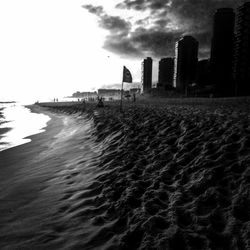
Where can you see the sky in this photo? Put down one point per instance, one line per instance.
(53, 48)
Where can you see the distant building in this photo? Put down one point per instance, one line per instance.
(203, 75)
(242, 51)
(109, 94)
(166, 73)
(85, 95)
(147, 74)
(185, 63)
(222, 51)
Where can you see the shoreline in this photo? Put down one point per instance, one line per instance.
(19, 124)
(35, 145)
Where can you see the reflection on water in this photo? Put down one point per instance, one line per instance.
(18, 122)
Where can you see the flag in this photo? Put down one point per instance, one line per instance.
(127, 77)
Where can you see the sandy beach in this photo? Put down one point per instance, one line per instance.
(162, 174)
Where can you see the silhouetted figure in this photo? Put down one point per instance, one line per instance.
(100, 103)
(134, 97)
(83, 103)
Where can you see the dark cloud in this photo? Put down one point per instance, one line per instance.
(97, 10)
(142, 5)
(115, 24)
(143, 42)
(139, 42)
(135, 4)
(123, 46)
(185, 7)
(162, 23)
(197, 13)
(193, 17)
(156, 43)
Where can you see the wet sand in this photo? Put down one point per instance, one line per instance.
(40, 180)
(159, 175)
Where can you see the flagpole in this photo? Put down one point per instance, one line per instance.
(121, 95)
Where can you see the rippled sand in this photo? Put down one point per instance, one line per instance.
(158, 176)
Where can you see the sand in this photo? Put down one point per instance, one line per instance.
(159, 175)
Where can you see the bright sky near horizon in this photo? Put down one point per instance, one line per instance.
(52, 48)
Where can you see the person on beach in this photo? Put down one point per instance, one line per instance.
(134, 97)
(100, 103)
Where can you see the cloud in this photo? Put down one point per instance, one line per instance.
(135, 43)
(156, 34)
(97, 10)
(115, 24)
(122, 46)
(155, 42)
(143, 42)
(136, 4)
(142, 5)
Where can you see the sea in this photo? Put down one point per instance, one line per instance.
(17, 123)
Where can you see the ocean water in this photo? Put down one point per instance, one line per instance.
(17, 123)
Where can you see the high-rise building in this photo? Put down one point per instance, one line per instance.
(147, 74)
(185, 63)
(166, 72)
(203, 73)
(242, 50)
(222, 51)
